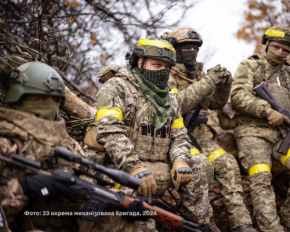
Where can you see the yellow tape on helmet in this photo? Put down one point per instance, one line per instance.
(178, 123)
(275, 33)
(259, 168)
(217, 153)
(156, 43)
(109, 111)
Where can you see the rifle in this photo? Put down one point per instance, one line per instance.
(191, 120)
(262, 91)
(98, 198)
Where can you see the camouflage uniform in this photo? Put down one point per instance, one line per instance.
(127, 144)
(192, 91)
(222, 164)
(35, 138)
(257, 140)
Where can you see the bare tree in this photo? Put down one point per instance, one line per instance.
(81, 36)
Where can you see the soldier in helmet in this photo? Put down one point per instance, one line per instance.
(258, 131)
(32, 128)
(191, 86)
(141, 128)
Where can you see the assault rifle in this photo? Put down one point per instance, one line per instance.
(262, 91)
(98, 198)
(191, 120)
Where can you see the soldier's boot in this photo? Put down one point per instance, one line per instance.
(213, 227)
(245, 228)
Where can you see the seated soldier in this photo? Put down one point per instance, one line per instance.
(32, 128)
(141, 128)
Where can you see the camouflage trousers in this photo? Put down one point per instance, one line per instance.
(254, 151)
(194, 198)
(227, 173)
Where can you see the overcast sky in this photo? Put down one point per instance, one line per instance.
(217, 22)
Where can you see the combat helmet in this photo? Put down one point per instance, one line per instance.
(154, 48)
(184, 34)
(33, 78)
(278, 34)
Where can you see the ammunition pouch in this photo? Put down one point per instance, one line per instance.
(227, 117)
(91, 138)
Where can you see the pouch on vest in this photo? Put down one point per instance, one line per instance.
(227, 117)
(108, 72)
(91, 138)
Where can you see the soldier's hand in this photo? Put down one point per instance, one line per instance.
(148, 183)
(225, 76)
(181, 173)
(220, 75)
(44, 187)
(274, 117)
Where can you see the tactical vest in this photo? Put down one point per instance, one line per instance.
(36, 139)
(140, 129)
(278, 82)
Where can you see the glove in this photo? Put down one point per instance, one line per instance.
(43, 187)
(181, 173)
(137, 206)
(225, 76)
(274, 117)
(148, 183)
(220, 75)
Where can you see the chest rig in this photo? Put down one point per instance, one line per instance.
(277, 79)
(140, 127)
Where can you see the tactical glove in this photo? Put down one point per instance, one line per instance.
(181, 173)
(274, 117)
(148, 183)
(43, 187)
(220, 75)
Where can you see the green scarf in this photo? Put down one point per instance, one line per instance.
(158, 99)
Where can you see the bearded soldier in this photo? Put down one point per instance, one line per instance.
(140, 126)
(259, 132)
(191, 86)
(32, 128)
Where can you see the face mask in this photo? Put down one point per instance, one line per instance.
(44, 109)
(157, 77)
(189, 61)
(276, 56)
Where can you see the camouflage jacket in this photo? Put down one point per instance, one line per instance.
(34, 138)
(190, 93)
(252, 119)
(124, 125)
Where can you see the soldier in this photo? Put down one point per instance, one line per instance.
(140, 126)
(192, 87)
(258, 131)
(32, 128)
